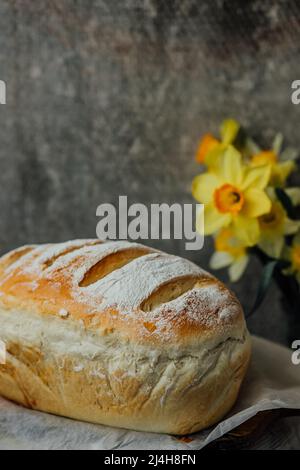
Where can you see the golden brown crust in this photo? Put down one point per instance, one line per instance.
(51, 279)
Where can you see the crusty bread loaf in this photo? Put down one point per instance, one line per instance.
(120, 334)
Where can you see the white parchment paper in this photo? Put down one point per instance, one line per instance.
(272, 382)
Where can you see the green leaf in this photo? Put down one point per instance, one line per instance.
(286, 202)
(264, 285)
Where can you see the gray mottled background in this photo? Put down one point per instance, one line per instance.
(109, 97)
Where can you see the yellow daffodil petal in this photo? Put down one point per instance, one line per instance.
(231, 169)
(281, 171)
(256, 203)
(238, 268)
(203, 187)
(265, 157)
(229, 130)
(220, 259)
(257, 176)
(246, 229)
(214, 220)
(225, 241)
(213, 157)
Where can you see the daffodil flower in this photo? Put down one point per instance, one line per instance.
(274, 226)
(207, 143)
(230, 253)
(234, 195)
(282, 164)
(210, 148)
(292, 254)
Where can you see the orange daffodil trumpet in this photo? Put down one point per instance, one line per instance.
(234, 196)
(207, 144)
(210, 148)
(241, 206)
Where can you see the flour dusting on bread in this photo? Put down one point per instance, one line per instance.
(128, 278)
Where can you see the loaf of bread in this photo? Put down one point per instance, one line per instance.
(119, 334)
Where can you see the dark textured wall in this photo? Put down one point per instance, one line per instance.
(109, 97)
